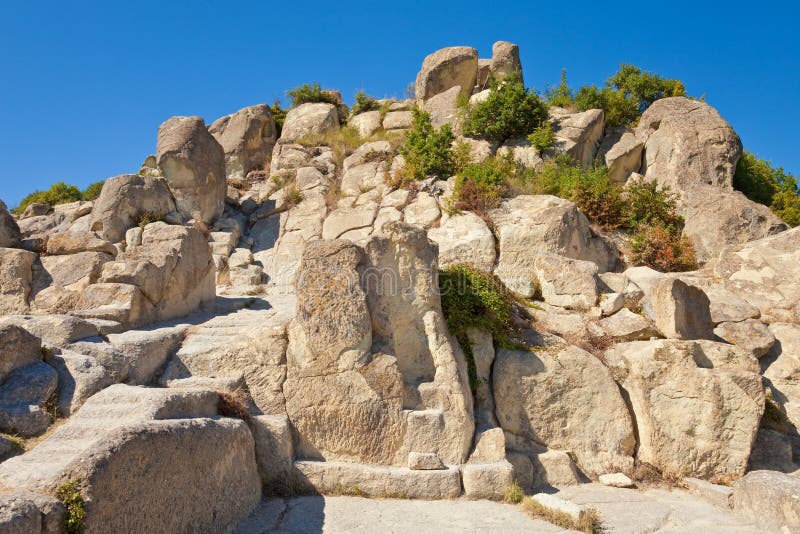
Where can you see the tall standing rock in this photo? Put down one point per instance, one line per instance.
(505, 60)
(445, 68)
(193, 163)
(9, 231)
(247, 137)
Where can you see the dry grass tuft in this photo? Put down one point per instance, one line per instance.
(233, 404)
(588, 521)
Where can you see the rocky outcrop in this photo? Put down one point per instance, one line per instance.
(310, 118)
(464, 238)
(553, 397)
(445, 68)
(15, 280)
(193, 163)
(124, 200)
(505, 60)
(9, 231)
(530, 225)
(621, 153)
(696, 405)
(686, 144)
(247, 138)
(578, 133)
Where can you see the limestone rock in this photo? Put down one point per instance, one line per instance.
(482, 346)
(687, 143)
(764, 273)
(443, 108)
(23, 395)
(124, 200)
(445, 68)
(79, 377)
(717, 217)
(529, 225)
(681, 311)
(552, 398)
(628, 326)
(422, 211)
(367, 123)
(30, 513)
(487, 481)
(621, 153)
(424, 461)
(397, 120)
(172, 267)
(247, 138)
(342, 220)
(727, 306)
(369, 152)
(64, 243)
(565, 282)
(18, 348)
(697, 407)
(9, 231)
(616, 480)
(750, 334)
(464, 238)
(274, 451)
(505, 60)
(309, 118)
(578, 133)
(15, 280)
(781, 369)
(193, 163)
(770, 499)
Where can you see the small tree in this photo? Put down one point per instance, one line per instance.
(427, 151)
(364, 103)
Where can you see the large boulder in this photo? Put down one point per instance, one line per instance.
(193, 163)
(23, 396)
(9, 231)
(247, 137)
(680, 310)
(172, 268)
(687, 143)
(564, 398)
(568, 283)
(124, 200)
(58, 281)
(18, 348)
(764, 273)
(15, 280)
(464, 238)
(578, 133)
(443, 108)
(137, 449)
(621, 152)
(309, 118)
(66, 243)
(505, 60)
(529, 225)
(445, 68)
(696, 405)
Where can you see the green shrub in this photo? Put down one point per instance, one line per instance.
(647, 204)
(509, 111)
(480, 186)
(663, 248)
(514, 494)
(70, 496)
(543, 137)
(627, 94)
(307, 93)
(364, 103)
(279, 114)
(59, 193)
(475, 298)
(562, 95)
(93, 191)
(427, 151)
(763, 183)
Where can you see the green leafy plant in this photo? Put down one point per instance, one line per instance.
(770, 186)
(543, 137)
(93, 191)
(70, 496)
(279, 114)
(627, 94)
(509, 111)
(562, 95)
(59, 193)
(364, 103)
(474, 298)
(647, 204)
(427, 151)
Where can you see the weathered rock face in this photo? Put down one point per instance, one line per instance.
(9, 231)
(764, 273)
(15, 280)
(464, 238)
(696, 405)
(554, 398)
(716, 218)
(172, 268)
(124, 200)
(578, 133)
(193, 163)
(445, 68)
(505, 60)
(309, 118)
(681, 311)
(443, 108)
(247, 137)
(565, 282)
(621, 152)
(529, 225)
(770, 499)
(18, 348)
(366, 123)
(781, 370)
(66, 243)
(686, 144)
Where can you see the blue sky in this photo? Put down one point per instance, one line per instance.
(86, 84)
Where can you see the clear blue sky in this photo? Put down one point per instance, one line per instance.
(86, 84)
